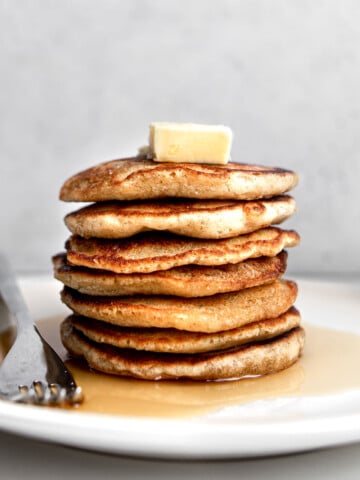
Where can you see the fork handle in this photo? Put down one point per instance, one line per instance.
(12, 295)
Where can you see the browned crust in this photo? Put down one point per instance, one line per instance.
(188, 281)
(252, 359)
(137, 178)
(206, 314)
(180, 341)
(193, 218)
(155, 251)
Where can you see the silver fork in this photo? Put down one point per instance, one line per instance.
(31, 372)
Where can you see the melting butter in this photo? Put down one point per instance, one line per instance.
(189, 143)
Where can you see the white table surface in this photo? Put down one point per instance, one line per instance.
(21, 458)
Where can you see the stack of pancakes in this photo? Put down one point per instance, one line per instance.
(175, 270)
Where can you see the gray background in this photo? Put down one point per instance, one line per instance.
(81, 81)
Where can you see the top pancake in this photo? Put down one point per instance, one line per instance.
(139, 179)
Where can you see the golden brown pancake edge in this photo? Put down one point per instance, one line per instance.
(187, 281)
(224, 311)
(208, 219)
(161, 251)
(137, 178)
(259, 358)
(180, 341)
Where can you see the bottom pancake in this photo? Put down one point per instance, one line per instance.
(180, 341)
(257, 358)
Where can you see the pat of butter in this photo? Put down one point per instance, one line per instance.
(190, 143)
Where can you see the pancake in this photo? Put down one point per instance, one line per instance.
(188, 281)
(224, 311)
(161, 251)
(139, 179)
(180, 341)
(252, 359)
(193, 218)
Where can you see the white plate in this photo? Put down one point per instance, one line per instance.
(267, 427)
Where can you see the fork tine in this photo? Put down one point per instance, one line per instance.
(23, 389)
(75, 396)
(39, 390)
(54, 391)
(23, 395)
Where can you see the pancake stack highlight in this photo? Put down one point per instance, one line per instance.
(176, 270)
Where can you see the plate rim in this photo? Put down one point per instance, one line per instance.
(130, 435)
